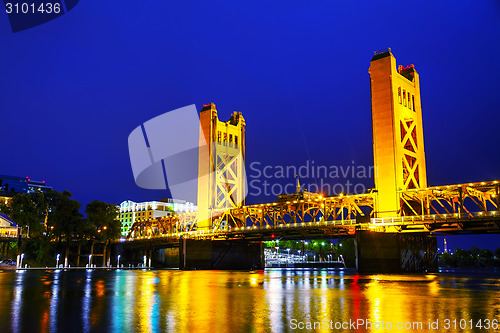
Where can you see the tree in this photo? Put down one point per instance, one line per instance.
(64, 217)
(486, 254)
(27, 210)
(103, 217)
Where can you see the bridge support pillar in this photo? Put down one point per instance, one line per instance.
(221, 254)
(395, 253)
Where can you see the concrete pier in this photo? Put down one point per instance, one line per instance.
(395, 253)
(223, 254)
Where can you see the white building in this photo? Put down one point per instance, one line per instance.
(131, 211)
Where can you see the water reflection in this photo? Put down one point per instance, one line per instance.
(86, 301)
(54, 301)
(265, 301)
(17, 302)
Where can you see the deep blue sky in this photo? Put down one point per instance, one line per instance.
(73, 89)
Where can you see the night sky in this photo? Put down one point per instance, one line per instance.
(73, 89)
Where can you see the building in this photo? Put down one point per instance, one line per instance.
(8, 228)
(131, 211)
(398, 141)
(9, 185)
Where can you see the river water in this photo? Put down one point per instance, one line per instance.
(293, 300)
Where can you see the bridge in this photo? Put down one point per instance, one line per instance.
(394, 225)
(464, 208)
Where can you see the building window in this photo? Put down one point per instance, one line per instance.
(404, 96)
(399, 95)
(409, 101)
(413, 102)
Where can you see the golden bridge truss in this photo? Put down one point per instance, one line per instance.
(465, 207)
(313, 212)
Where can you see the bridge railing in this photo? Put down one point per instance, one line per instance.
(435, 217)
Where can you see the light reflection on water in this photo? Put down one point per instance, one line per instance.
(222, 301)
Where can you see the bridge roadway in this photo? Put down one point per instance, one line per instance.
(451, 209)
(429, 224)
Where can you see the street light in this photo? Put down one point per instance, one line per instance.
(21, 262)
(57, 260)
(90, 258)
(144, 261)
(118, 261)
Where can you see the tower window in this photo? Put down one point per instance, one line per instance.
(413, 102)
(409, 101)
(399, 95)
(404, 96)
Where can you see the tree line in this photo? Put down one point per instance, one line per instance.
(47, 218)
(321, 248)
(475, 257)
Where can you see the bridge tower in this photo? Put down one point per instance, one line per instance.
(398, 143)
(221, 165)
